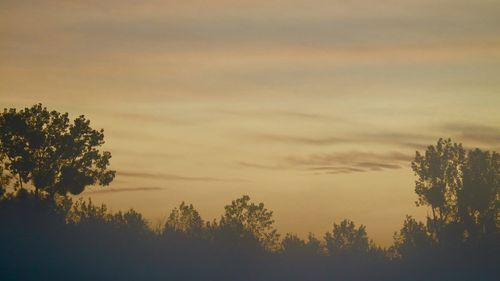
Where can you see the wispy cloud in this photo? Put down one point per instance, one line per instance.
(348, 157)
(349, 162)
(301, 140)
(261, 166)
(407, 140)
(475, 133)
(336, 163)
(143, 117)
(280, 114)
(116, 190)
(170, 177)
(335, 170)
(362, 161)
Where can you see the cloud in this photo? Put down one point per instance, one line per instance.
(361, 161)
(113, 190)
(336, 163)
(82, 31)
(347, 157)
(280, 113)
(349, 162)
(335, 170)
(261, 166)
(474, 133)
(170, 177)
(149, 118)
(406, 140)
(218, 30)
(301, 140)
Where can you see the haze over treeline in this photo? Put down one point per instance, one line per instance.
(46, 158)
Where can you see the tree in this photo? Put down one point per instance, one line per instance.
(184, 220)
(479, 197)
(294, 245)
(462, 189)
(55, 155)
(132, 223)
(412, 238)
(94, 218)
(439, 178)
(4, 178)
(245, 217)
(87, 213)
(346, 239)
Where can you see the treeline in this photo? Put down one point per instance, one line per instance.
(45, 235)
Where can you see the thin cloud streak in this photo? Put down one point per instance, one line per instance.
(261, 166)
(170, 177)
(349, 162)
(141, 117)
(383, 138)
(280, 113)
(119, 190)
(337, 163)
(474, 133)
(302, 140)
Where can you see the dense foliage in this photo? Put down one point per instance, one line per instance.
(52, 154)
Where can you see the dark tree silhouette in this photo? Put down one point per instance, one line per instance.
(412, 239)
(294, 245)
(479, 197)
(55, 155)
(243, 216)
(438, 180)
(131, 222)
(346, 239)
(184, 220)
(462, 190)
(97, 218)
(4, 177)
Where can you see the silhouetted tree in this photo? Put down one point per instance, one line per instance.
(57, 156)
(4, 177)
(438, 174)
(242, 217)
(294, 245)
(462, 190)
(412, 239)
(96, 218)
(131, 222)
(85, 212)
(184, 220)
(314, 245)
(479, 197)
(346, 239)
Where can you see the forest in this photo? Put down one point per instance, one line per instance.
(47, 234)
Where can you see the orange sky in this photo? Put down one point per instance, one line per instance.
(313, 107)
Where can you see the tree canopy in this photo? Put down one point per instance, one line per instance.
(245, 216)
(184, 220)
(346, 239)
(53, 154)
(461, 188)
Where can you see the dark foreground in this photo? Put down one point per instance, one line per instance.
(44, 241)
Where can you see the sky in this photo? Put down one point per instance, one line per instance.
(315, 108)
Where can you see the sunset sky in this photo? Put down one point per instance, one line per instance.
(313, 107)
